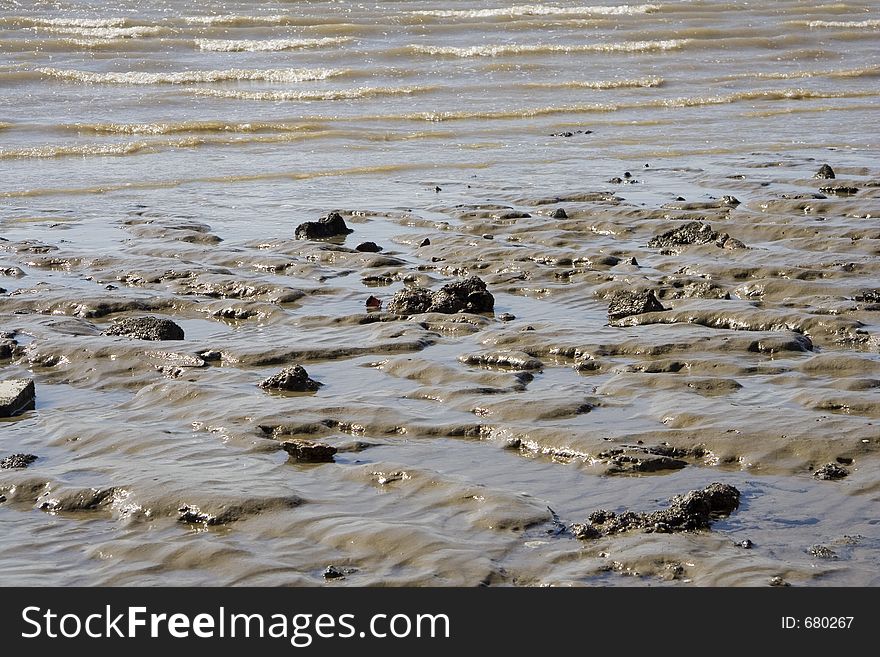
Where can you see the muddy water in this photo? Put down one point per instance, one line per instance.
(155, 158)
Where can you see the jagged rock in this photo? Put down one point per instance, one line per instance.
(825, 172)
(559, 213)
(332, 225)
(693, 232)
(308, 451)
(16, 396)
(695, 509)
(469, 296)
(291, 379)
(633, 302)
(17, 461)
(831, 472)
(146, 328)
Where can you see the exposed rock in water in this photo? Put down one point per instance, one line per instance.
(292, 379)
(469, 296)
(507, 358)
(333, 225)
(335, 572)
(507, 317)
(695, 509)
(410, 301)
(559, 213)
(693, 232)
(730, 201)
(633, 302)
(17, 461)
(16, 396)
(825, 172)
(831, 472)
(368, 247)
(821, 552)
(840, 190)
(308, 451)
(146, 328)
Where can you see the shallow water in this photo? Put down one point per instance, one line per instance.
(169, 152)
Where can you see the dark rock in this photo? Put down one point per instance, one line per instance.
(7, 348)
(559, 213)
(831, 472)
(840, 190)
(291, 379)
(17, 461)
(821, 552)
(507, 317)
(410, 301)
(368, 247)
(825, 172)
(438, 189)
(332, 572)
(425, 242)
(745, 545)
(373, 303)
(333, 225)
(627, 174)
(634, 262)
(469, 296)
(192, 515)
(869, 296)
(146, 328)
(730, 201)
(633, 302)
(616, 181)
(308, 451)
(778, 581)
(693, 232)
(695, 509)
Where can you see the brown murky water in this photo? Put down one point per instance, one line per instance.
(156, 158)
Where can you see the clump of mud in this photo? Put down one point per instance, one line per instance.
(695, 509)
(291, 379)
(633, 302)
(146, 328)
(468, 296)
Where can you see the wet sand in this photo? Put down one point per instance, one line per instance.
(428, 447)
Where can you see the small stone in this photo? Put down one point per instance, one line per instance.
(825, 172)
(438, 189)
(16, 396)
(730, 201)
(333, 225)
(308, 451)
(634, 262)
(693, 232)
(145, 328)
(821, 552)
(332, 572)
(488, 236)
(507, 317)
(17, 461)
(559, 213)
(368, 247)
(633, 302)
(291, 379)
(425, 242)
(778, 581)
(616, 181)
(745, 545)
(831, 472)
(627, 174)
(585, 531)
(373, 303)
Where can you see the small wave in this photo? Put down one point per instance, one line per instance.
(597, 84)
(237, 20)
(869, 24)
(332, 94)
(73, 150)
(190, 77)
(106, 32)
(191, 126)
(248, 45)
(870, 71)
(516, 49)
(540, 10)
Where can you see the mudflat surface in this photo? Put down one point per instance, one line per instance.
(159, 164)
